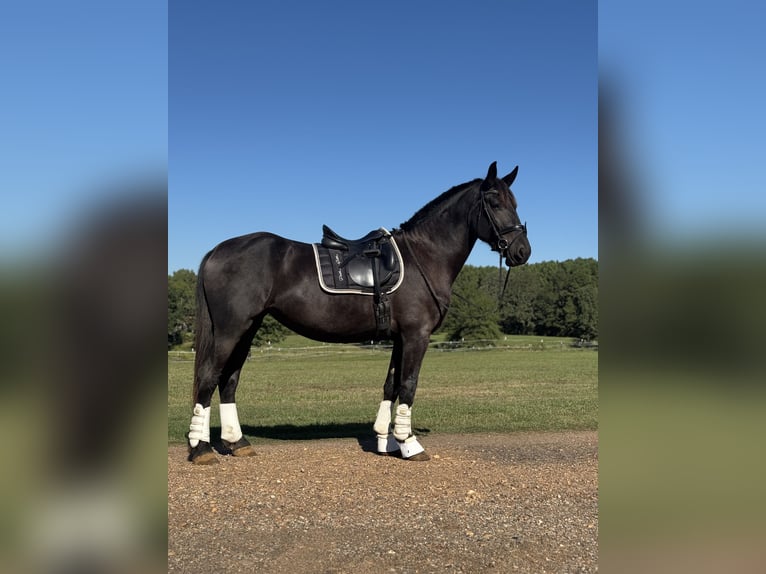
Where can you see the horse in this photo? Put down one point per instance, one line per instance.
(246, 278)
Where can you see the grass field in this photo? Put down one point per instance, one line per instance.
(322, 391)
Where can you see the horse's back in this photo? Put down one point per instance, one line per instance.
(254, 250)
(247, 267)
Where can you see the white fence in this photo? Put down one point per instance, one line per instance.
(442, 346)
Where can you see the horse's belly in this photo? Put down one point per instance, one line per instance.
(328, 318)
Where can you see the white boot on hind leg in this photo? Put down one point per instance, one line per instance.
(231, 432)
(230, 429)
(199, 429)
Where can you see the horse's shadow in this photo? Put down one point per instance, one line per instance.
(362, 432)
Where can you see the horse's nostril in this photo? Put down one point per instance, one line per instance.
(522, 254)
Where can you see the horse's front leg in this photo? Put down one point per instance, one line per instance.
(414, 348)
(387, 445)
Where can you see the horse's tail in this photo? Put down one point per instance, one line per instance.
(203, 332)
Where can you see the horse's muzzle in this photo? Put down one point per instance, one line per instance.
(518, 254)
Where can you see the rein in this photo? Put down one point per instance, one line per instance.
(501, 244)
(501, 292)
(443, 308)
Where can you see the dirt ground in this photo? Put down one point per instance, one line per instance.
(522, 502)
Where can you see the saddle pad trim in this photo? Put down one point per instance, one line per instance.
(359, 291)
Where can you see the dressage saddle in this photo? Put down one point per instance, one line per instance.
(366, 257)
(370, 265)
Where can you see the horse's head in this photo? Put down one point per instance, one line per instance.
(498, 223)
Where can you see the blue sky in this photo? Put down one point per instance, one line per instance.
(287, 115)
(262, 101)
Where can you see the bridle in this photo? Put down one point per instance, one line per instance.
(499, 243)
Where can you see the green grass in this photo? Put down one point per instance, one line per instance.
(334, 391)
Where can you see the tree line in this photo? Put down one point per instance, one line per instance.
(552, 298)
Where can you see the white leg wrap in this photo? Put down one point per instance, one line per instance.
(199, 429)
(411, 447)
(230, 429)
(383, 419)
(403, 422)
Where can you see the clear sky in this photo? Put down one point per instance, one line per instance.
(285, 115)
(336, 105)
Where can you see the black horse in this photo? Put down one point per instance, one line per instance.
(246, 278)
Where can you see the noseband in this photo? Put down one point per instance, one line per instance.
(499, 242)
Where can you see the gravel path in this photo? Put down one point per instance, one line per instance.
(524, 502)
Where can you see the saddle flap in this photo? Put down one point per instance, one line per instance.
(360, 271)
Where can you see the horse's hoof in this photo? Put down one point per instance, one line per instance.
(240, 448)
(203, 453)
(420, 456)
(394, 453)
(413, 450)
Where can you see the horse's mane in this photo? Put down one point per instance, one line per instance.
(428, 209)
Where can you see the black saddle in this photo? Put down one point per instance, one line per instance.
(370, 265)
(360, 257)
(332, 240)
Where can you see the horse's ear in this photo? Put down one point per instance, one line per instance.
(491, 178)
(508, 179)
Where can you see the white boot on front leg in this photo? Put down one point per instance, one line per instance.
(412, 449)
(386, 443)
(408, 442)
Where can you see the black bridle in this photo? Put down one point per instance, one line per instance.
(499, 243)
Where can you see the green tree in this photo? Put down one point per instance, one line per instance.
(473, 311)
(579, 298)
(517, 310)
(270, 332)
(566, 304)
(182, 306)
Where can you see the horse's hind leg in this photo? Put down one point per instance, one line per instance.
(218, 366)
(205, 379)
(231, 432)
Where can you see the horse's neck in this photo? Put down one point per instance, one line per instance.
(444, 241)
